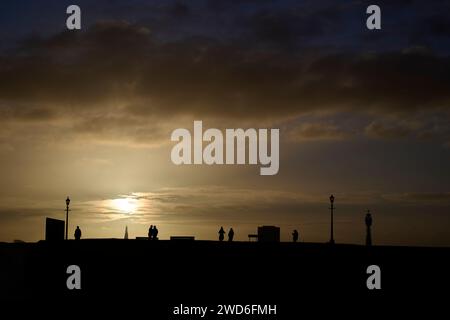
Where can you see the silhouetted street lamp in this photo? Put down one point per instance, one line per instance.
(331, 208)
(67, 217)
(368, 227)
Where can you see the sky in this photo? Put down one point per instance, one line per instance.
(363, 114)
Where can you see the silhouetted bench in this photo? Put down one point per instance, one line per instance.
(182, 238)
(145, 238)
(252, 236)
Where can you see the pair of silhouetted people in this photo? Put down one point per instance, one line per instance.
(153, 233)
(295, 236)
(222, 234)
(77, 233)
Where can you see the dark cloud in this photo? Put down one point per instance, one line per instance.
(287, 29)
(118, 59)
(179, 10)
(119, 68)
(438, 25)
(222, 5)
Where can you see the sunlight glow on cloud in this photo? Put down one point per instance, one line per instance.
(125, 205)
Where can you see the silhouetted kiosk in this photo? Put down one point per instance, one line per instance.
(368, 228)
(67, 217)
(230, 234)
(221, 234)
(295, 236)
(331, 209)
(77, 234)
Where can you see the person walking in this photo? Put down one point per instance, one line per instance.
(150, 232)
(77, 233)
(221, 234)
(155, 233)
(230, 235)
(295, 236)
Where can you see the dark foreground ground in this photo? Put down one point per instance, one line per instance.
(166, 274)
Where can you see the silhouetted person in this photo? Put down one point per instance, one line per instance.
(295, 236)
(155, 233)
(221, 234)
(230, 234)
(150, 232)
(368, 228)
(77, 233)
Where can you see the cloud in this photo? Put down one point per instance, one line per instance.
(389, 130)
(421, 125)
(118, 82)
(317, 131)
(116, 61)
(178, 10)
(213, 203)
(428, 198)
(434, 24)
(290, 29)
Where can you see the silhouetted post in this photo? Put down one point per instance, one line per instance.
(368, 228)
(331, 230)
(67, 217)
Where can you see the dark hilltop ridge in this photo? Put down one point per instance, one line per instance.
(216, 272)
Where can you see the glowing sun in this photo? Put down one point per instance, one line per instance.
(125, 205)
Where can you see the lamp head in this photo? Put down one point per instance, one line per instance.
(67, 201)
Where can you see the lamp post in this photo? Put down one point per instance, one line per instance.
(67, 217)
(331, 230)
(368, 227)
